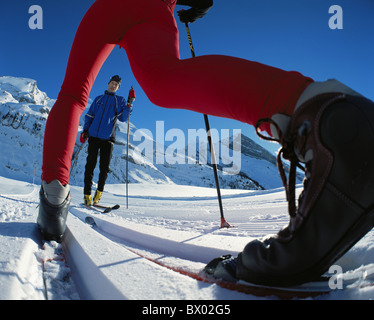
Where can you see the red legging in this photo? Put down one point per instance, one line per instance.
(216, 85)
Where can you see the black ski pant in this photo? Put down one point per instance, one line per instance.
(94, 146)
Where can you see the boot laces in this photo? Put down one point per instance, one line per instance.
(293, 149)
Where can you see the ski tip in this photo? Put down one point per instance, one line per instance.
(89, 220)
(109, 209)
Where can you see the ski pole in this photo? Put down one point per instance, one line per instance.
(224, 223)
(130, 100)
(127, 162)
(76, 157)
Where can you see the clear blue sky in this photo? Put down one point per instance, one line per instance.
(288, 34)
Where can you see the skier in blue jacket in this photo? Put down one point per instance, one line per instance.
(100, 130)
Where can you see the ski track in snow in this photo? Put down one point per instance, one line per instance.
(180, 219)
(27, 269)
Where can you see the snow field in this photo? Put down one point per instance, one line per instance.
(177, 225)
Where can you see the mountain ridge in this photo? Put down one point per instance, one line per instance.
(23, 113)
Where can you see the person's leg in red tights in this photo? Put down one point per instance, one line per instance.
(89, 51)
(217, 85)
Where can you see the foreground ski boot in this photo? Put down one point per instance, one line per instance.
(87, 200)
(333, 136)
(97, 196)
(53, 210)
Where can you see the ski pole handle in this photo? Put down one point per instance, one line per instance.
(190, 40)
(131, 97)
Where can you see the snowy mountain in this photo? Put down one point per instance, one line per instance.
(23, 113)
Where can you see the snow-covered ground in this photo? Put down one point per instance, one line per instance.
(178, 225)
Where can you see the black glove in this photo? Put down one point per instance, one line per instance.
(198, 10)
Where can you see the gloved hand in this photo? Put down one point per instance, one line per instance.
(197, 11)
(131, 97)
(190, 15)
(83, 137)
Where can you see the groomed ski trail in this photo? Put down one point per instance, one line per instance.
(188, 259)
(153, 242)
(29, 269)
(103, 269)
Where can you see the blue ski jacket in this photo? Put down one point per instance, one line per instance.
(101, 118)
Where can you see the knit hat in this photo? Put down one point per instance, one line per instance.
(116, 78)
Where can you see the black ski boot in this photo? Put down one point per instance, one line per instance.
(333, 136)
(52, 217)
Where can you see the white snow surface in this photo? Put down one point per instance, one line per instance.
(178, 225)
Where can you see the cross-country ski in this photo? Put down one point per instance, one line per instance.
(101, 208)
